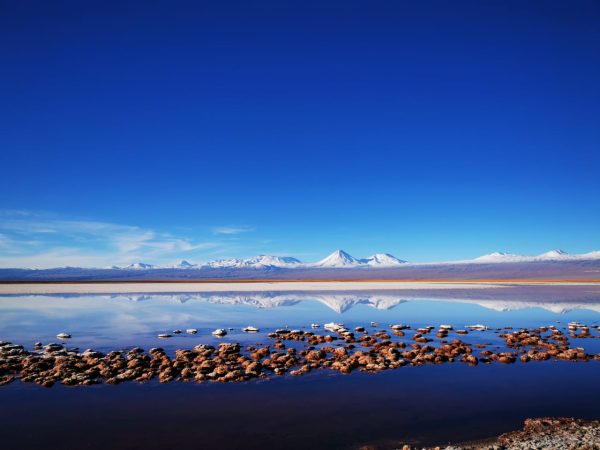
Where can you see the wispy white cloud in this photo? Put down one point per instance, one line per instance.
(232, 229)
(57, 257)
(37, 240)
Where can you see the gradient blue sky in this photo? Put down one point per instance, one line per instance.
(432, 130)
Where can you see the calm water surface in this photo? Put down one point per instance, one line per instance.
(428, 404)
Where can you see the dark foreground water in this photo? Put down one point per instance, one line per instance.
(427, 404)
(430, 404)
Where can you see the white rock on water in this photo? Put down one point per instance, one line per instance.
(63, 336)
(164, 336)
(315, 325)
(250, 329)
(219, 332)
(446, 327)
(332, 326)
(176, 331)
(399, 327)
(477, 327)
(191, 331)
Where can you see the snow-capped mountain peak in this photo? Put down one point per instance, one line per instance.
(339, 258)
(183, 264)
(554, 254)
(500, 257)
(382, 260)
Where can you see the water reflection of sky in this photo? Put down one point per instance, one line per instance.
(108, 321)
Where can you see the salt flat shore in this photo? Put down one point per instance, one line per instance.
(261, 286)
(542, 433)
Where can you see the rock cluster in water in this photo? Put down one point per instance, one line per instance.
(295, 352)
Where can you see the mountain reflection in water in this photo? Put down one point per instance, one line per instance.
(136, 319)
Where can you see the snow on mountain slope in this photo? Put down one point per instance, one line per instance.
(139, 266)
(382, 260)
(183, 264)
(260, 261)
(271, 261)
(500, 257)
(339, 258)
(554, 255)
(590, 255)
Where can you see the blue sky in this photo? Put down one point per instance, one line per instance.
(432, 130)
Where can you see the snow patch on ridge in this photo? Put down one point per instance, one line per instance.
(500, 257)
(260, 261)
(382, 260)
(139, 266)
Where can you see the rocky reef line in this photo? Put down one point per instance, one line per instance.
(293, 352)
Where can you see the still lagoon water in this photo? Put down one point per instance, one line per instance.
(432, 404)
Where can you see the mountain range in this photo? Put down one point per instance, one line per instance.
(342, 259)
(339, 258)
(552, 265)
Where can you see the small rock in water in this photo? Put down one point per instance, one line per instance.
(477, 327)
(250, 329)
(38, 345)
(63, 336)
(176, 331)
(191, 331)
(219, 332)
(332, 326)
(50, 348)
(315, 325)
(374, 324)
(446, 327)
(164, 336)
